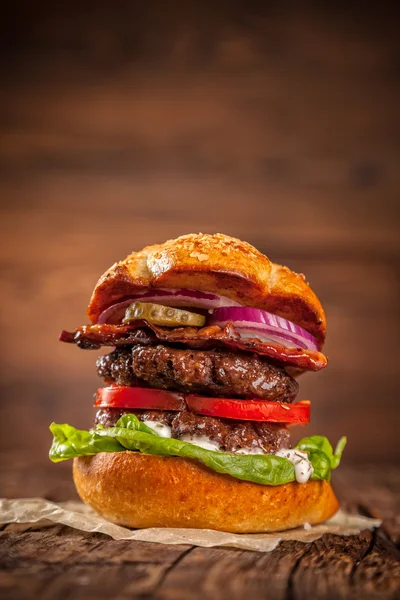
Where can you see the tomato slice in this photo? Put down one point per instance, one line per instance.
(251, 410)
(136, 397)
(242, 410)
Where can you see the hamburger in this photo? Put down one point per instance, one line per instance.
(205, 338)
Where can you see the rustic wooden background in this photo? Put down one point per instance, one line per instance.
(127, 125)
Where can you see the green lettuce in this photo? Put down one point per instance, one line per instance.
(131, 434)
(321, 454)
(69, 442)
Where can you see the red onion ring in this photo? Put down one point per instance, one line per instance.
(168, 297)
(262, 325)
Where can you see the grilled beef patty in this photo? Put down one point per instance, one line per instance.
(215, 373)
(230, 435)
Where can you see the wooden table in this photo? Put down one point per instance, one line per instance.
(52, 561)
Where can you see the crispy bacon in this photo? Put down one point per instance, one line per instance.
(146, 334)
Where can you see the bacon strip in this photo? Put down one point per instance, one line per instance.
(146, 334)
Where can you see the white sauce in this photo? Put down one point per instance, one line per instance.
(302, 467)
(160, 428)
(201, 440)
(198, 440)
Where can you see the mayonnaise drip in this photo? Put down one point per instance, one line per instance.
(160, 428)
(302, 467)
(201, 440)
(198, 440)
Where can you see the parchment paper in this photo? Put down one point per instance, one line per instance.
(80, 516)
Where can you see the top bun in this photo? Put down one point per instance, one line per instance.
(213, 263)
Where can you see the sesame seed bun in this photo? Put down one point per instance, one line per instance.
(215, 263)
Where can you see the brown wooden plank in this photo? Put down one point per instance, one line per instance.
(373, 490)
(232, 574)
(66, 563)
(346, 570)
(378, 573)
(71, 566)
(60, 544)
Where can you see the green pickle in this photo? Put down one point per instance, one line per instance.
(163, 315)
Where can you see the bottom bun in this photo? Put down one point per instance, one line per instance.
(141, 490)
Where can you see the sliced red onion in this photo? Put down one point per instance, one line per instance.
(254, 323)
(174, 297)
(275, 338)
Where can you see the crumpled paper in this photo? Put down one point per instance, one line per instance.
(80, 516)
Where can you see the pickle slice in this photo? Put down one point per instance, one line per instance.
(162, 315)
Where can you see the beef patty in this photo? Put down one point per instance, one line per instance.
(219, 373)
(230, 435)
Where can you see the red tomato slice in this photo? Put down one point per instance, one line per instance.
(136, 397)
(243, 410)
(251, 410)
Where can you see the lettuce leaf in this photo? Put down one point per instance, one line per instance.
(69, 442)
(132, 422)
(320, 444)
(131, 434)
